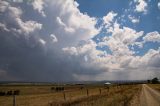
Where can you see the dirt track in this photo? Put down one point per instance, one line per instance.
(149, 96)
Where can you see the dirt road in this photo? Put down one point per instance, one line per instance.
(149, 96)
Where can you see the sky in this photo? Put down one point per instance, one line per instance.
(79, 40)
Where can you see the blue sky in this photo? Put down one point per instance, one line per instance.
(79, 40)
(149, 21)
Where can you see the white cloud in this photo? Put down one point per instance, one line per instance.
(13, 14)
(141, 6)
(78, 20)
(158, 5)
(109, 18)
(72, 31)
(139, 44)
(70, 50)
(88, 46)
(121, 57)
(124, 35)
(66, 28)
(152, 37)
(69, 24)
(53, 38)
(63, 18)
(149, 37)
(145, 61)
(39, 6)
(17, 1)
(42, 41)
(95, 58)
(3, 6)
(60, 21)
(3, 27)
(28, 26)
(133, 19)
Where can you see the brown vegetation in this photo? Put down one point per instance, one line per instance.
(75, 95)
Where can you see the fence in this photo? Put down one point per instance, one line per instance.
(55, 97)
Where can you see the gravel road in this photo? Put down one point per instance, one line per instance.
(149, 96)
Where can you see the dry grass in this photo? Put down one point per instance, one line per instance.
(155, 86)
(27, 89)
(74, 97)
(116, 97)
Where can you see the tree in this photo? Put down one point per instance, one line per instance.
(155, 80)
(148, 81)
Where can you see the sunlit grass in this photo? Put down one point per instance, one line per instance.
(76, 97)
(155, 86)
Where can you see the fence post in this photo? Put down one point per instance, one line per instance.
(64, 95)
(87, 92)
(100, 91)
(108, 88)
(14, 100)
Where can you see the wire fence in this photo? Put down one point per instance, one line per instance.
(48, 99)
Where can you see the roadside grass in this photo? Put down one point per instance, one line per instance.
(155, 86)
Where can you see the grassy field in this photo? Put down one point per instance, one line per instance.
(155, 86)
(115, 97)
(73, 95)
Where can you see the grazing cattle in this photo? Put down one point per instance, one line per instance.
(16, 92)
(9, 93)
(2, 93)
(59, 89)
(52, 88)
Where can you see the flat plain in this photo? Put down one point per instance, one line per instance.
(69, 95)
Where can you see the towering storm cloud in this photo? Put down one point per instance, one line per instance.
(57, 40)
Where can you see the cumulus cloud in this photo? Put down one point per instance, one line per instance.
(70, 50)
(133, 19)
(91, 57)
(152, 37)
(39, 5)
(18, 1)
(66, 28)
(42, 41)
(13, 14)
(122, 58)
(54, 38)
(114, 64)
(3, 6)
(109, 18)
(141, 6)
(61, 46)
(3, 27)
(34, 57)
(69, 23)
(124, 35)
(28, 26)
